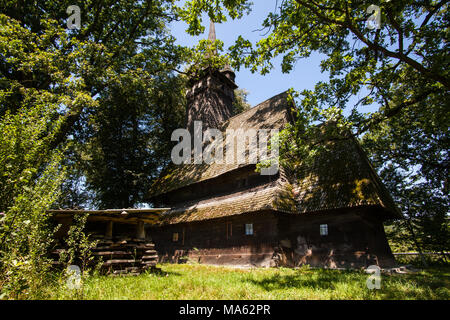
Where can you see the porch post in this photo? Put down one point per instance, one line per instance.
(109, 230)
(140, 230)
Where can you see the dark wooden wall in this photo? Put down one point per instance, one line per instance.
(238, 180)
(219, 241)
(355, 239)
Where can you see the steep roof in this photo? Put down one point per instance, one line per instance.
(340, 176)
(273, 113)
(268, 197)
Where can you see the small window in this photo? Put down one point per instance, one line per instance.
(323, 229)
(175, 237)
(249, 229)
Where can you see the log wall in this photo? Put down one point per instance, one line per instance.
(353, 240)
(219, 241)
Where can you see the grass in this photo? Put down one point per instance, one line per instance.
(210, 282)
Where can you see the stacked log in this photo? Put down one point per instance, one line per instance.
(127, 256)
(122, 256)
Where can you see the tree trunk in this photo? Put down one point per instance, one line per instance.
(419, 249)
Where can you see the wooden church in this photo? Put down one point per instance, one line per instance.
(330, 214)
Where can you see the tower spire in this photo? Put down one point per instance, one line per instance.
(212, 35)
(210, 98)
(212, 32)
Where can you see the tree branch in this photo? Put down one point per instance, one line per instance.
(375, 46)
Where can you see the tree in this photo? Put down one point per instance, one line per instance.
(240, 102)
(411, 152)
(118, 45)
(130, 140)
(376, 62)
(114, 38)
(30, 177)
(54, 84)
(400, 70)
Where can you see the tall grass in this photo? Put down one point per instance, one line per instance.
(210, 282)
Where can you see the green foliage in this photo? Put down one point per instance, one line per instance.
(240, 103)
(55, 87)
(25, 232)
(78, 245)
(217, 10)
(125, 46)
(206, 54)
(130, 138)
(411, 152)
(30, 168)
(30, 171)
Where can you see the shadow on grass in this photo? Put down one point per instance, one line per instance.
(430, 285)
(417, 286)
(162, 273)
(317, 279)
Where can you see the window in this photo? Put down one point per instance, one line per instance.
(175, 237)
(323, 229)
(249, 229)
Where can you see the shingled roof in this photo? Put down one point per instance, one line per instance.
(273, 113)
(267, 197)
(340, 176)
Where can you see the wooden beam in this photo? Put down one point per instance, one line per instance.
(130, 216)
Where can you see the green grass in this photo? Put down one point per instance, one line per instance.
(210, 282)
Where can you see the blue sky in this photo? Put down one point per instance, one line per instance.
(305, 74)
